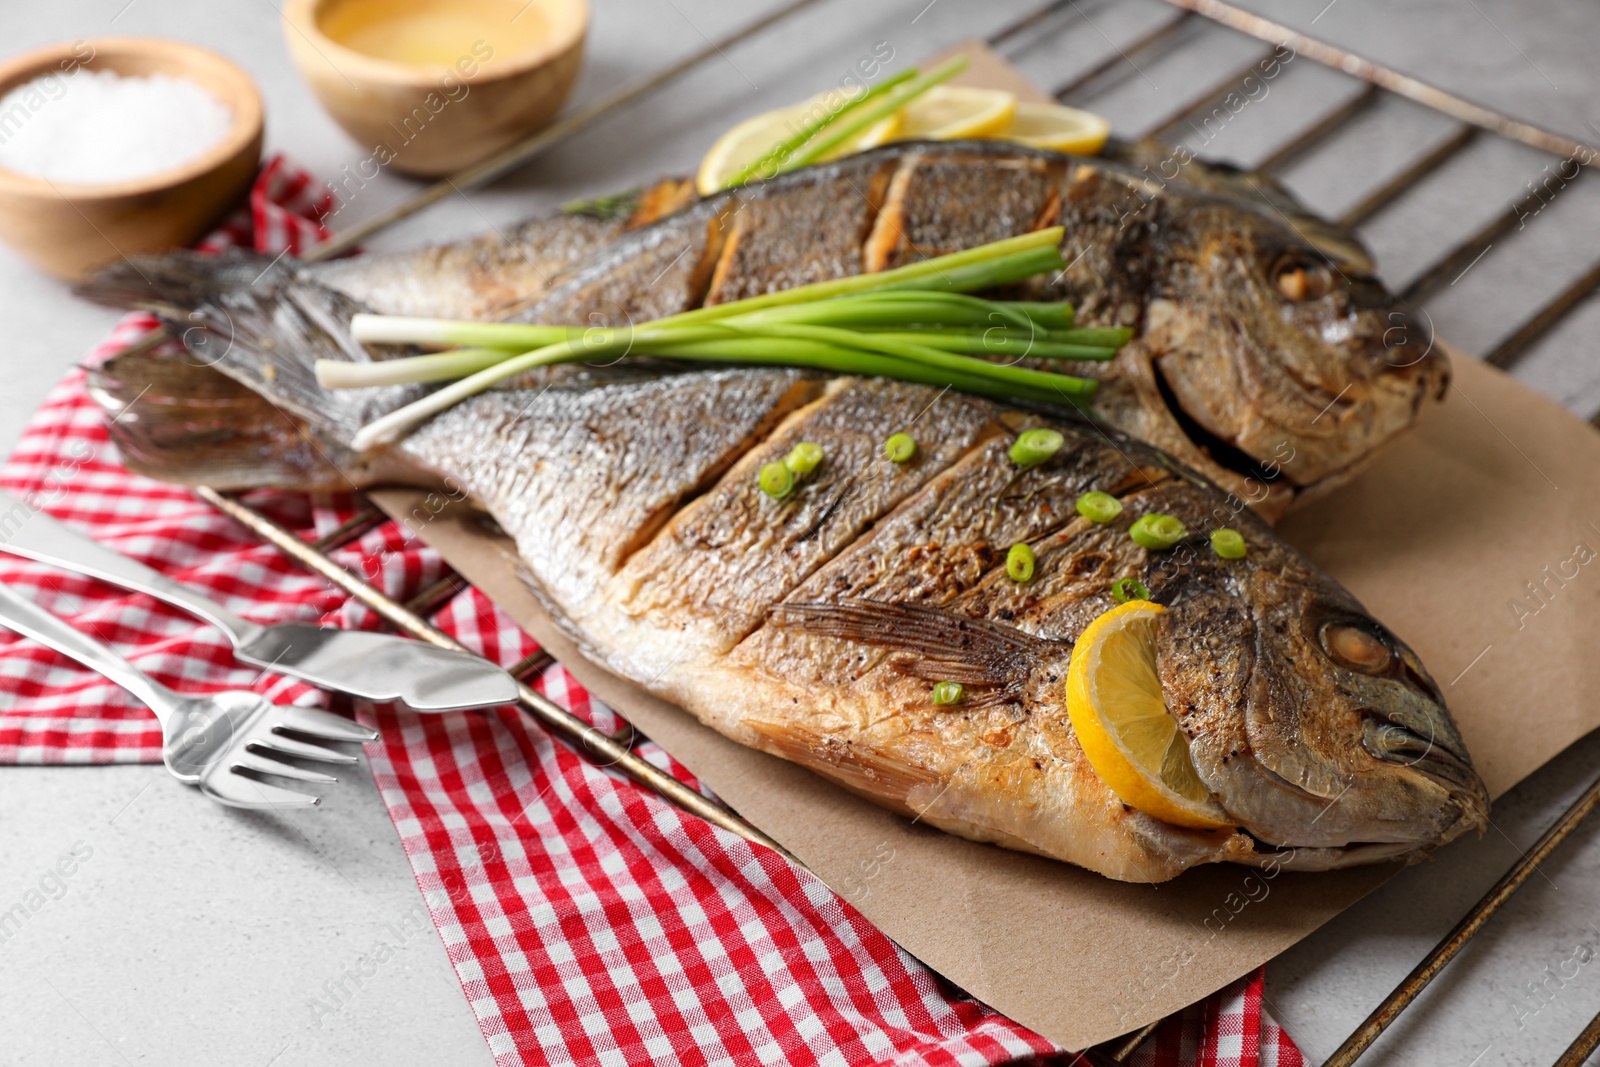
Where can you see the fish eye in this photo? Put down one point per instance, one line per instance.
(1356, 648)
(1300, 279)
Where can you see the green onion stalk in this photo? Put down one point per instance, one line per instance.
(915, 323)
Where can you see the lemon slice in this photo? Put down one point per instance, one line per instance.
(1132, 741)
(952, 112)
(756, 136)
(1064, 129)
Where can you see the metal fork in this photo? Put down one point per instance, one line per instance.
(217, 742)
(373, 666)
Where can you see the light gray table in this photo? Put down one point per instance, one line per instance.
(197, 935)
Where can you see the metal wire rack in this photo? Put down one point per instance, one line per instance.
(1374, 80)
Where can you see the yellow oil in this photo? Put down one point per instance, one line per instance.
(435, 32)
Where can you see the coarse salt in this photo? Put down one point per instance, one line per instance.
(95, 126)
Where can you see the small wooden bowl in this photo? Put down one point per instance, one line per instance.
(67, 228)
(433, 119)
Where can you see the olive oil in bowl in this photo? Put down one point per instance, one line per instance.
(436, 33)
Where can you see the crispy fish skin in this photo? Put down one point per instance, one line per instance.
(1266, 354)
(1259, 359)
(814, 627)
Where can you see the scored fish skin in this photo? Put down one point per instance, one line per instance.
(814, 627)
(1273, 398)
(473, 279)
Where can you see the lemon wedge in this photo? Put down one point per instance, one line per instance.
(1063, 129)
(953, 112)
(753, 138)
(1134, 744)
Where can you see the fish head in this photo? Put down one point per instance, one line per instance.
(1279, 351)
(1325, 730)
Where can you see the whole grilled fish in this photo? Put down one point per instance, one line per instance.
(1266, 354)
(814, 627)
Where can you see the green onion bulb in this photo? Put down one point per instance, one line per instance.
(1033, 447)
(1099, 507)
(777, 480)
(1019, 563)
(1126, 589)
(947, 693)
(1229, 544)
(803, 458)
(900, 447)
(1156, 531)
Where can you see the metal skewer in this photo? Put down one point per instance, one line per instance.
(1387, 78)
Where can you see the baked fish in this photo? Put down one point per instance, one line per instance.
(814, 627)
(1267, 356)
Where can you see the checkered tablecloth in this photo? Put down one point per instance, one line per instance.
(588, 921)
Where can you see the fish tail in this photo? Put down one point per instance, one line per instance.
(261, 322)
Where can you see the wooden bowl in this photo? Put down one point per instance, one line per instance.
(438, 115)
(67, 228)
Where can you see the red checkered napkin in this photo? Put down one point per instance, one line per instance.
(588, 921)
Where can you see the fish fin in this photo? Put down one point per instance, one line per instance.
(858, 767)
(180, 421)
(260, 322)
(948, 647)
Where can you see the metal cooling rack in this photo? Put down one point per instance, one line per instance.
(1473, 122)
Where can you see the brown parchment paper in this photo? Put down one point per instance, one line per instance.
(1496, 488)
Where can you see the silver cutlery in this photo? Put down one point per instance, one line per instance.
(376, 667)
(208, 741)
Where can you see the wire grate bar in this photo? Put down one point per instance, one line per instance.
(1123, 55)
(1212, 93)
(530, 665)
(1380, 197)
(1582, 1046)
(1426, 971)
(352, 528)
(428, 602)
(1513, 348)
(1386, 77)
(1025, 23)
(1459, 260)
(1313, 136)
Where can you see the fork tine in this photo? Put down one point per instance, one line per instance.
(238, 791)
(263, 765)
(324, 724)
(288, 746)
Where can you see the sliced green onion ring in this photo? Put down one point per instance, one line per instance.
(777, 480)
(1019, 563)
(1099, 507)
(803, 458)
(947, 693)
(1126, 589)
(1156, 531)
(1033, 447)
(900, 448)
(1229, 544)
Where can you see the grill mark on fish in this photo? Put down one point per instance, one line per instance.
(774, 245)
(717, 560)
(934, 198)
